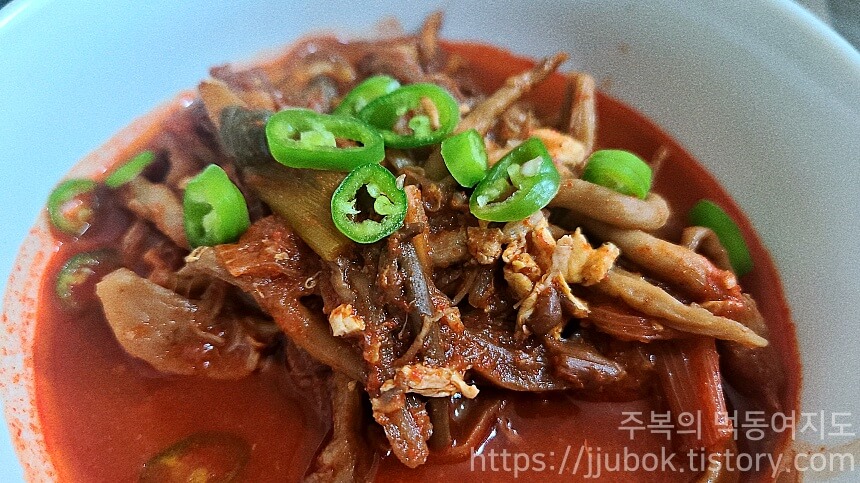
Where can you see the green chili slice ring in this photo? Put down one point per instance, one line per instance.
(75, 282)
(619, 170)
(388, 204)
(130, 170)
(708, 214)
(466, 157)
(413, 116)
(72, 206)
(521, 183)
(215, 210)
(301, 138)
(213, 457)
(365, 92)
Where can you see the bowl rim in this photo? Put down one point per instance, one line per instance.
(806, 20)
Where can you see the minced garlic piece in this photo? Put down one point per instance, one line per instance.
(579, 263)
(344, 321)
(484, 244)
(568, 153)
(535, 262)
(434, 381)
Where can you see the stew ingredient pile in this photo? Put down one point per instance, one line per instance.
(413, 250)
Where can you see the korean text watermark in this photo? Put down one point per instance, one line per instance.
(588, 461)
(592, 462)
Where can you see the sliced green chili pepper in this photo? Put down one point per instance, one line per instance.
(619, 170)
(301, 138)
(365, 92)
(709, 215)
(75, 283)
(72, 206)
(215, 210)
(202, 457)
(522, 182)
(413, 116)
(130, 169)
(382, 191)
(466, 157)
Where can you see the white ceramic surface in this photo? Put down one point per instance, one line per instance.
(760, 91)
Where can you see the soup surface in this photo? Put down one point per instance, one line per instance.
(105, 413)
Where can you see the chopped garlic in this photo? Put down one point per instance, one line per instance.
(434, 381)
(579, 263)
(484, 244)
(531, 167)
(344, 321)
(386, 386)
(195, 254)
(568, 153)
(599, 262)
(521, 273)
(535, 261)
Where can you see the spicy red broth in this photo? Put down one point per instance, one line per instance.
(104, 413)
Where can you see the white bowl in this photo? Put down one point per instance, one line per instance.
(766, 96)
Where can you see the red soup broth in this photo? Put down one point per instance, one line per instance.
(104, 413)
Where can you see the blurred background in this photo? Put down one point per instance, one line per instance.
(842, 15)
